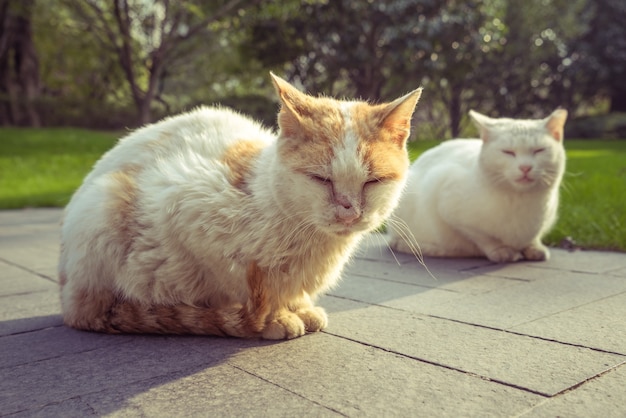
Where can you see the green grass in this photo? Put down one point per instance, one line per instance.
(592, 209)
(43, 167)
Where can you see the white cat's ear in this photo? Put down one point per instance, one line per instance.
(555, 123)
(482, 122)
(293, 104)
(396, 116)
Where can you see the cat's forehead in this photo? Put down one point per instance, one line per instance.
(521, 132)
(341, 138)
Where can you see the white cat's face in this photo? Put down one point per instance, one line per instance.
(523, 161)
(521, 154)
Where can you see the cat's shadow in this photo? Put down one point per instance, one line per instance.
(46, 363)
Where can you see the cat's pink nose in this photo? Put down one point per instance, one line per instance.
(346, 211)
(348, 216)
(525, 168)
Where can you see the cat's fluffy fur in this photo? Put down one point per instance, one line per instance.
(495, 196)
(208, 223)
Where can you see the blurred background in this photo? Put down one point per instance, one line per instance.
(116, 64)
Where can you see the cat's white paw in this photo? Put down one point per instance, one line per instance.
(536, 252)
(286, 325)
(504, 255)
(314, 318)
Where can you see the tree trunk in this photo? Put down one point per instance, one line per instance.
(19, 67)
(618, 98)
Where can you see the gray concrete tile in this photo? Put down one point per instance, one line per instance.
(120, 366)
(394, 359)
(374, 248)
(600, 397)
(582, 261)
(618, 272)
(358, 380)
(392, 294)
(221, 390)
(413, 273)
(599, 324)
(542, 366)
(52, 342)
(15, 280)
(29, 311)
(526, 301)
(44, 217)
(40, 258)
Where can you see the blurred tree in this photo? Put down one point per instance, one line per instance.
(601, 50)
(19, 65)
(531, 75)
(461, 37)
(149, 37)
(379, 49)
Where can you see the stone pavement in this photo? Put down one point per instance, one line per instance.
(526, 339)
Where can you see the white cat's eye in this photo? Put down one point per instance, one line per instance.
(538, 150)
(509, 152)
(373, 181)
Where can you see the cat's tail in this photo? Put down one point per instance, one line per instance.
(115, 316)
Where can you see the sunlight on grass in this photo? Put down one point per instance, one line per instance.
(43, 167)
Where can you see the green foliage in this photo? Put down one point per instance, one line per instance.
(591, 211)
(609, 126)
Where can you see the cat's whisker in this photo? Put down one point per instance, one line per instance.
(403, 230)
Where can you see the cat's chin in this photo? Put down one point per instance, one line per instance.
(524, 184)
(346, 231)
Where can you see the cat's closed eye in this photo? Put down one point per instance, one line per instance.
(538, 150)
(320, 179)
(509, 152)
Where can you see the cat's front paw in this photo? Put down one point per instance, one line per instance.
(504, 255)
(314, 318)
(536, 252)
(285, 325)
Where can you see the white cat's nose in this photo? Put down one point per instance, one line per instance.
(525, 168)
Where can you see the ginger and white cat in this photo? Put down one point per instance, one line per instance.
(496, 196)
(208, 223)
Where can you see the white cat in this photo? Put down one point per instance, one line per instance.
(496, 196)
(208, 223)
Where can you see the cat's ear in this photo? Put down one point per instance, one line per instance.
(482, 122)
(294, 105)
(396, 116)
(555, 123)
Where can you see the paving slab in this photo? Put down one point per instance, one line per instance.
(16, 281)
(600, 324)
(356, 379)
(477, 339)
(513, 305)
(537, 365)
(29, 311)
(600, 397)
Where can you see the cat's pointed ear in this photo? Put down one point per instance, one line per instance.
(396, 116)
(293, 105)
(482, 122)
(555, 123)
